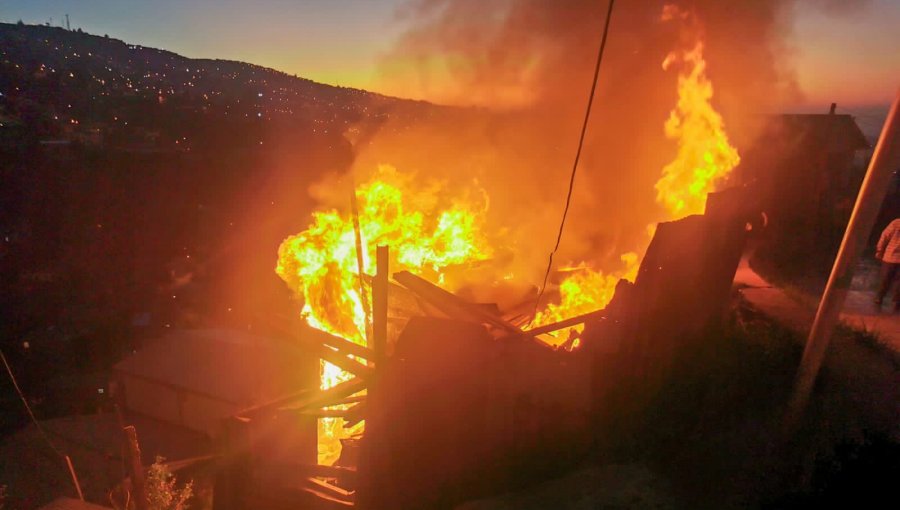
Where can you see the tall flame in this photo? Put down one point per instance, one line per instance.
(704, 159)
(705, 156)
(426, 233)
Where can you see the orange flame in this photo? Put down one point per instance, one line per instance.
(428, 232)
(705, 156)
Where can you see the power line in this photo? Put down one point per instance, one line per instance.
(587, 115)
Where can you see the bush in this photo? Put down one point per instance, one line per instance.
(162, 490)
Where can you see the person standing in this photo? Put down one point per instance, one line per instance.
(888, 252)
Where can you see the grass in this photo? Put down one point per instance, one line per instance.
(715, 430)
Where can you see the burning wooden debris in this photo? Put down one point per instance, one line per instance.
(464, 404)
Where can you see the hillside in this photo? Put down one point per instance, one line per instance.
(52, 79)
(143, 190)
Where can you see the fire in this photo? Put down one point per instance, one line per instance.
(429, 232)
(705, 156)
(704, 159)
(426, 233)
(585, 290)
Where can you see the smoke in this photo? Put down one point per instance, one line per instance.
(841, 7)
(520, 71)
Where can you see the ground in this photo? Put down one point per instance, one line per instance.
(796, 307)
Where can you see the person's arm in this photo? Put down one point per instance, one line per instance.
(885, 238)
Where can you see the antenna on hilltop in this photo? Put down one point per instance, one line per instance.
(67, 23)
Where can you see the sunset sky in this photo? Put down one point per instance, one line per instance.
(851, 56)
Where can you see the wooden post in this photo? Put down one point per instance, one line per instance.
(135, 468)
(360, 266)
(380, 304)
(885, 161)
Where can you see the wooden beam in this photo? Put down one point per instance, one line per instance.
(451, 304)
(351, 400)
(344, 345)
(325, 413)
(328, 347)
(322, 495)
(287, 328)
(572, 321)
(339, 492)
(325, 398)
(135, 468)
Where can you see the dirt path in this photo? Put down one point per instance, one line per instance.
(870, 376)
(798, 311)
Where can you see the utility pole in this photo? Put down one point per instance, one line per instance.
(67, 23)
(885, 161)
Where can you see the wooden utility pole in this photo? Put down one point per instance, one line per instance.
(135, 468)
(885, 161)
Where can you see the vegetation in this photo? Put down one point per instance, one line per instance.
(163, 492)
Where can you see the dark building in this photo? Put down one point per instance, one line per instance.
(805, 171)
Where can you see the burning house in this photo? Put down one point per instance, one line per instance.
(436, 389)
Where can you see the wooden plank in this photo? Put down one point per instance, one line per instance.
(288, 329)
(334, 394)
(324, 413)
(308, 398)
(345, 363)
(338, 492)
(350, 400)
(319, 343)
(339, 343)
(451, 304)
(135, 468)
(572, 321)
(327, 497)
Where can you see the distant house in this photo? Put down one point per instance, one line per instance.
(803, 164)
(804, 171)
(196, 378)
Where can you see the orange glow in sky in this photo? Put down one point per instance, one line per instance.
(849, 55)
